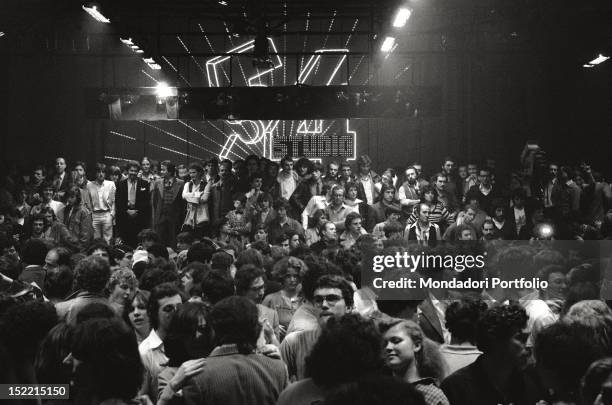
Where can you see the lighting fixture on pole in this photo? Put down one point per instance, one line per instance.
(402, 16)
(93, 11)
(387, 44)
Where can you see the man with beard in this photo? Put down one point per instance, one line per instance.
(409, 191)
(497, 376)
(250, 284)
(488, 231)
(333, 297)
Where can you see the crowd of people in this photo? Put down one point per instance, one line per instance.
(240, 282)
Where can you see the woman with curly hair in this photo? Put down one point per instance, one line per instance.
(289, 272)
(414, 358)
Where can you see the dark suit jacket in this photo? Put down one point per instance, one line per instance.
(221, 198)
(157, 201)
(64, 185)
(430, 322)
(143, 203)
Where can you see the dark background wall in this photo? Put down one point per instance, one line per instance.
(494, 99)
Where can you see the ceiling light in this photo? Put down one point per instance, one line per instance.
(1, 34)
(93, 11)
(223, 2)
(599, 59)
(387, 44)
(402, 16)
(128, 41)
(139, 51)
(586, 65)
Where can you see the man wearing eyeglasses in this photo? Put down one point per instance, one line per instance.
(164, 301)
(333, 297)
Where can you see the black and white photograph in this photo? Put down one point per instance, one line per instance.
(306, 202)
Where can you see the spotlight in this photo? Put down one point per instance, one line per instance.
(93, 11)
(1, 34)
(162, 90)
(599, 59)
(402, 16)
(222, 3)
(127, 42)
(387, 44)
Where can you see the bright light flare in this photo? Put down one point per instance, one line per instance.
(387, 44)
(163, 90)
(599, 59)
(402, 16)
(93, 11)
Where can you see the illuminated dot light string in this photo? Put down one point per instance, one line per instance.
(176, 70)
(149, 76)
(307, 28)
(177, 137)
(224, 134)
(203, 135)
(189, 52)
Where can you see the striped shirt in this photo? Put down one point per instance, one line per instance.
(438, 214)
(233, 378)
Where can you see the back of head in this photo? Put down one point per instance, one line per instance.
(110, 365)
(34, 252)
(200, 252)
(92, 274)
(217, 285)
(235, 320)
(462, 317)
(348, 348)
(159, 250)
(24, 325)
(499, 324)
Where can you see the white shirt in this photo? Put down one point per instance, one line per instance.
(369, 190)
(152, 354)
(520, 218)
(102, 196)
(316, 202)
(288, 183)
(440, 308)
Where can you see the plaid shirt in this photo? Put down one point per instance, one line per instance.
(431, 392)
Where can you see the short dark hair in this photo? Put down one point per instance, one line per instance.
(333, 281)
(216, 285)
(281, 203)
(200, 252)
(159, 250)
(348, 348)
(92, 274)
(24, 325)
(148, 234)
(132, 163)
(111, 365)
(245, 276)
(169, 166)
(157, 293)
(235, 320)
(350, 218)
(462, 317)
(197, 167)
(499, 324)
(58, 284)
(34, 252)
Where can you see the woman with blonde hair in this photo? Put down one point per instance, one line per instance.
(414, 358)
